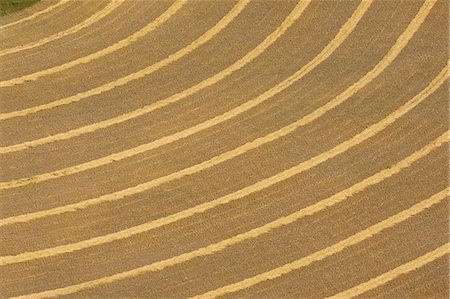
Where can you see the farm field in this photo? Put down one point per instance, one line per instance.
(232, 148)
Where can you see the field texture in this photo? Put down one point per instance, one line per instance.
(229, 148)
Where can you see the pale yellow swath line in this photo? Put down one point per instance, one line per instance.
(213, 248)
(298, 10)
(231, 15)
(228, 155)
(341, 148)
(86, 59)
(325, 53)
(394, 273)
(134, 272)
(329, 251)
(218, 159)
(295, 14)
(38, 13)
(91, 20)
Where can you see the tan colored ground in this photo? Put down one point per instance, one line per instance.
(260, 149)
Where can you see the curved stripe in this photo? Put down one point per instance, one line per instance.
(228, 155)
(331, 250)
(91, 20)
(393, 52)
(230, 16)
(265, 183)
(321, 205)
(346, 30)
(295, 14)
(48, 9)
(86, 59)
(394, 273)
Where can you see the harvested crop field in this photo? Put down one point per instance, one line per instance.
(229, 148)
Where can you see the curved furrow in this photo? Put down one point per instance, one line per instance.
(172, 99)
(331, 250)
(311, 233)
(234, 12)
(394, 273)
(280, 222)
(366, 107)
(371, 75)
(317, 166)
(88, 22)
(304, 166)
(99, 35)
(325, 53)
(35, 15)
(222, 98)
(428, 278)
(103, 52)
